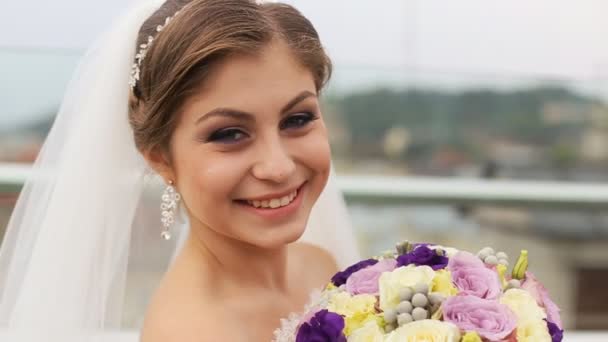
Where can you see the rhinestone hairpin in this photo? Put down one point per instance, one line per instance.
(143, 50)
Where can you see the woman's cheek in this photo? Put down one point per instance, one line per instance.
(316, 150)
(221, 174)
(208, 180)
(312, 152)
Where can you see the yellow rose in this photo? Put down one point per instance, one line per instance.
(471, 336)
(369, 332)
(533, 331)
(406, 276)
(442, 283)
(330, 287)
(346, 305)
(426, 330)
(357, 310)
(354, 322)
(523, 305)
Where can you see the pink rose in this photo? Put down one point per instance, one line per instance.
(540, 293)
(366, 280)
(511, 338)
(464, 259)
(472, 277)
(490, 319)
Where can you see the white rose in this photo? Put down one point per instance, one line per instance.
(533, 331)
(523, 305)
(370, 332)
(426, 330)
(391, 283)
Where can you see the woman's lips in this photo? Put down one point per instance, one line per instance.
(265, 208)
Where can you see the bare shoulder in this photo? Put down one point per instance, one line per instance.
(308, 255)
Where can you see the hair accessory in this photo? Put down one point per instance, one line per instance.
(143, 50)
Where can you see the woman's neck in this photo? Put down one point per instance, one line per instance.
(234, 263)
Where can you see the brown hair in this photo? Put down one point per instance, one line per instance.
(203, 33)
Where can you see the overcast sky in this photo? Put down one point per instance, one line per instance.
(471, 39)
(538, 37)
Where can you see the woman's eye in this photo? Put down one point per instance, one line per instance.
(227, 136)
(297, 121)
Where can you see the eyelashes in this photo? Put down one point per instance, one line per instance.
(227, 135)
(234, 135)
(298, 120)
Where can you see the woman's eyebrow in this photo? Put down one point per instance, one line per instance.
(299, 98)
(241, 115)
(226, 112)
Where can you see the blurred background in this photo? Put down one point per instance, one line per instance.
(467, 123)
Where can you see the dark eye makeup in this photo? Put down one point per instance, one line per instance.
(233, 135)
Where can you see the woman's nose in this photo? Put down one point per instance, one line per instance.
(274, 163)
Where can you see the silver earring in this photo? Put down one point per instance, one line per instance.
(169, 201)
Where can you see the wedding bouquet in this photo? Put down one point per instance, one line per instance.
(425, 292)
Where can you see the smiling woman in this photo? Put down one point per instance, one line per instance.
(222, 104)
(273, 143)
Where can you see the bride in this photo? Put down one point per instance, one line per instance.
(220, 99)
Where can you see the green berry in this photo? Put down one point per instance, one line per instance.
(390, 315)
(490, 250)
(404, 318)
(405, 307)
(421, 288)
(419, 314)
(419, 300)
(514, 284)
(406, 294)
(436, 298)
(491, 260)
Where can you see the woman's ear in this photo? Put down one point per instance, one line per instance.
(160, 163)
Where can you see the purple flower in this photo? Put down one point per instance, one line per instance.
(324, 326)
(341, 277)
(490, 319)
(556, 333)
(423, 255)
(366, 280)
(472, 277)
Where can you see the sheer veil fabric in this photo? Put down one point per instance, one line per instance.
(66, 253)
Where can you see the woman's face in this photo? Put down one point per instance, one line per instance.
(250, 152)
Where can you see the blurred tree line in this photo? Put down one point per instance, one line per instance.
(465, 121)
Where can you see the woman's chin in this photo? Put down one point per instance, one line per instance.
(275, 238)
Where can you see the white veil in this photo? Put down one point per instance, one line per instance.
(78, 227)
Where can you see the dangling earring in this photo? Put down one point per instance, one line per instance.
(170, 200)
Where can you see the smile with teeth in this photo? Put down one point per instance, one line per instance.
(275, 202)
